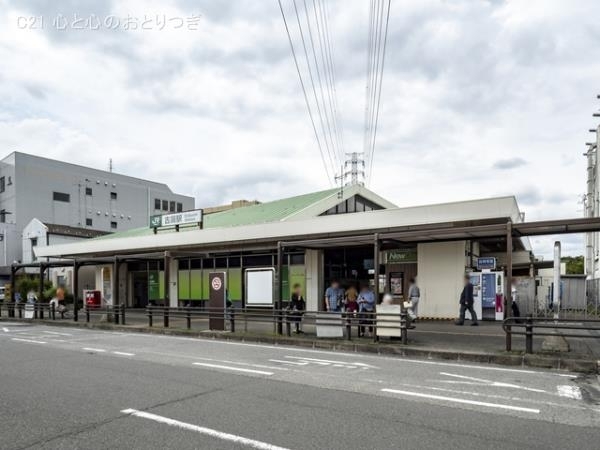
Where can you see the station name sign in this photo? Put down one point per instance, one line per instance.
(176, 219)
(487, 263)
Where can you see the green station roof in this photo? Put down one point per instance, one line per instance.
(274, 211)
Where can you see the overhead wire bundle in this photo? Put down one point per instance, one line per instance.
(309, 35)
(379, 18)
(313, 59)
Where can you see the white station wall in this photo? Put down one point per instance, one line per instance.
(441, 268)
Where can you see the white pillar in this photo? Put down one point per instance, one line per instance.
(556, 290)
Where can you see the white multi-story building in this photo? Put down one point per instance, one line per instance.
(65, 194)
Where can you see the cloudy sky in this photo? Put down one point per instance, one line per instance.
(480, 97)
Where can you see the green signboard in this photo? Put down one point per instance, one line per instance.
(154, 285)
(401, 256)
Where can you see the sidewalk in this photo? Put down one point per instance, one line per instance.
(430, 339)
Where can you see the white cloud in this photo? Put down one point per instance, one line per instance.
(469, 87)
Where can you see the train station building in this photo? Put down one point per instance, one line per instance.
(354, 236)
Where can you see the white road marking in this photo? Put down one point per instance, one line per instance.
(203, 430)
(124, 353)
(491, 383)
(462, 401)
(57, 333)
(569, 391)
(494, 396)
(237, 369)
(90, 349)
(28, 340)
(6, 330)
(294, 363)
(326, 362)
(239, 363)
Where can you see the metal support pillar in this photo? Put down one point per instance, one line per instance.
(41, 286)
(376, 246)
(279, 288)
(11, 308)
(115, 289)
(167, 272)
(75, 291)
(508, 284)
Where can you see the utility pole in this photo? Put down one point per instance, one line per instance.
(592, 201)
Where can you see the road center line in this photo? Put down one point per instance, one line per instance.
(90, 349)
(237, 369)
(203, 430)
(28, 340)
(124, 353)
(463, 401)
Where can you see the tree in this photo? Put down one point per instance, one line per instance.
(575, 264)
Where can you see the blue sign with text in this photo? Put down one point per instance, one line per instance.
(488, 290)
(486, 263)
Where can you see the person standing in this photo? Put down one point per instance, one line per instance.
(414, 295)
(334, 297)
(366, 305)
(297, 307)
(466, 303)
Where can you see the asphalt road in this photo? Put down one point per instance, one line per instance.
(65, 388)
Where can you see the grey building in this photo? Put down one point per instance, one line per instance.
(67, 194)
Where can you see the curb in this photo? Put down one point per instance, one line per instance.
(514, 359)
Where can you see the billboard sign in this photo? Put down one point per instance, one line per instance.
(175, 219)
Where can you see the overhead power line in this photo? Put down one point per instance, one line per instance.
(378, 30)
(317, 77)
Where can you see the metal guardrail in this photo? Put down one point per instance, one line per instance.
(48, 310)
(278, 318)
(281, 320)
(530, 324)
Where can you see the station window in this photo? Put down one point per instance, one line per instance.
(297, 259)
(157, 203)
(220, 263)
(88, 222)
(234, 261)
(88, 191)
(113, 225)
(2, 184)
(113, 195)
(195, 264)
(61, 197)
(184, 264)
(165, 205)
(179, 207)
(3, 216)
(172, 206)
(257, 260)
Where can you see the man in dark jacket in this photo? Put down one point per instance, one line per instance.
(466, 303)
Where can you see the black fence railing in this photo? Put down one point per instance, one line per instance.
(347, 325)
(52, 311)
(284, 320)
(534, 326)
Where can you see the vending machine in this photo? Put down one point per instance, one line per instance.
(488, 294)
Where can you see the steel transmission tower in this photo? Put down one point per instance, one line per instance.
(354, 169)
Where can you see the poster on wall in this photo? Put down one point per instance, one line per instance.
(153, 285)
(397, 283)
(488, 290)
(107, 285)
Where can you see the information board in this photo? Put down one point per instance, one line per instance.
(259, 287)
(488, 290)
